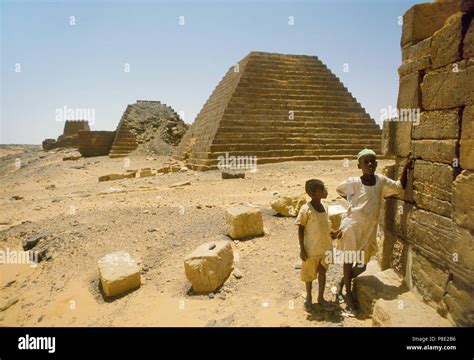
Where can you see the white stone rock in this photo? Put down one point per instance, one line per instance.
(118, 273)
(288, 204)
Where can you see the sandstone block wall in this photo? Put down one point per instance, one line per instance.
(72, 127)
(428, 231)
(95, 143)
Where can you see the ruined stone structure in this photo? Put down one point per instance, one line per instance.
(69, 137)
(278, 108)
(72, 127)
(148, 125)
(95, 143)
(429, 231)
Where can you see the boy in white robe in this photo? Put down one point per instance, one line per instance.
(358, 229)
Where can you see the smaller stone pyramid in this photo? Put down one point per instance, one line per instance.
(150, 126)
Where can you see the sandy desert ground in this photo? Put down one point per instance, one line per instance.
(158, 225)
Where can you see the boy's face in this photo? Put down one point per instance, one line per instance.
(367, 164)
(319, 194)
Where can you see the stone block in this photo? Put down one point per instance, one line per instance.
(442, 151)
(380, 285)
(422, 20)
(461, 260)
(288, 204)
(397, 213)
(233, 175)
(428, 279)
(447, 42)
(441, 124)
(118, 273)
(468, 42)
(414, 66)
(432, 235)
(395, 172)
(417, 51)
(463, 199)
(243, 222)
(448, 87)
(409, 93)
(432, 186)
(208, 267)
(406, 311)
(466, 153)
(459, 302)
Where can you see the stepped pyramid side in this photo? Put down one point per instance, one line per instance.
(199, 137)
(125, 141)
(279, 108)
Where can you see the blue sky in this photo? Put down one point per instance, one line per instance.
(82, 65)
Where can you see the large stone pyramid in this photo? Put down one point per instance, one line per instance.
(278, 108)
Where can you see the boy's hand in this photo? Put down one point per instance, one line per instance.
(336, 234)
(303, 255)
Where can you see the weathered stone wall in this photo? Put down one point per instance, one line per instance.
(429, 229)
(72, 127)
(69, 138)
(95, 143)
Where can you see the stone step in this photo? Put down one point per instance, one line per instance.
(300, 83)
(283, 58)
(281, 74)
(295, 139)
(309, 138)
(287, 73)
(125, 143)
(296, 104)
(300, 111)
(231, 148)
(296, 88)
(314, 116)
(211, 164)
(290, 97)
(314, 65)
(123, 148)
(406, 311)
(286, 131)
(125, 140)
(314, 122)
(375, 284)
(330, 150)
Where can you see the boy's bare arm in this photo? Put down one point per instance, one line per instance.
(408, 166)
(303, 254)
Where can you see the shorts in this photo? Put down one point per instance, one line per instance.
(309, 268)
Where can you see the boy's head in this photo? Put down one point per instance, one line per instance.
(315, 189)
(367, 161)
